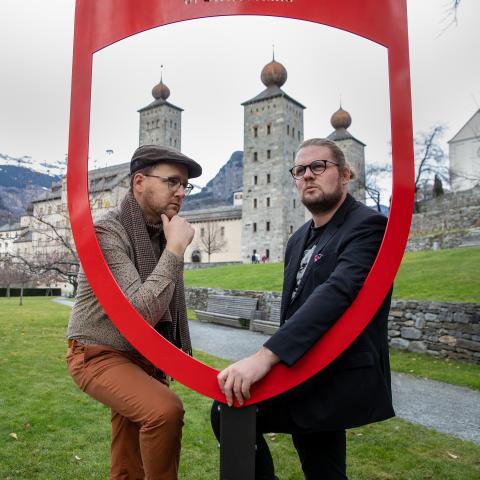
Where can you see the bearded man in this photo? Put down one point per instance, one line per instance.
(143, 242)
(326, 263)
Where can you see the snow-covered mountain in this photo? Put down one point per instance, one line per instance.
(52, 168)
(21, 181)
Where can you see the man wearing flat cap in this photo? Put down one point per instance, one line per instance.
(143, 242)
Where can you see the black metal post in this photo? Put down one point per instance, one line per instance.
(237, 442)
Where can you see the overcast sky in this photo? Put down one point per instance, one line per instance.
(212, 65)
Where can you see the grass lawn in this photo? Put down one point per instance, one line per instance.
(442, 275)
(63, 434)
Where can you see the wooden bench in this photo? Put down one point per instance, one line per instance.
(272, 324)
(234, 311)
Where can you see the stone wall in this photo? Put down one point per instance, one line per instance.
(443, 329)
(451, 220)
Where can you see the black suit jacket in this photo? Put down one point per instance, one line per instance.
(355, 388)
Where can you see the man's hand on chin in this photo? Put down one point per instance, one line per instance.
(238, 378)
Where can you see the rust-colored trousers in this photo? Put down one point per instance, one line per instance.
(147, 417)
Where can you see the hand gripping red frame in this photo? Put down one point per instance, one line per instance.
(99, 23)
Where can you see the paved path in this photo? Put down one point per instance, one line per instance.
(442, 407)
(445, 408)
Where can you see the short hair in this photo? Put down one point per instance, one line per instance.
(337, 152)
(144, 171)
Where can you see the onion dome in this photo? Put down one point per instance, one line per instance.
(341, 119)
(274, 74)
(160, 91)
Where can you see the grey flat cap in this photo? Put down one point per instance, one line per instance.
(148, 155)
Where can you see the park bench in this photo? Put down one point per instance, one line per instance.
(272, 323)
(234, 311)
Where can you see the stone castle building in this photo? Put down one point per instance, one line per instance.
(161, 121)
(273, 129)
(261, 216)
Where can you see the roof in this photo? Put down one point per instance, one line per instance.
(10, 227)
(272, 92)
(99, 180)
(157, 103)
(343, 134)
(25, 236)
(217, 213)
(470, 130)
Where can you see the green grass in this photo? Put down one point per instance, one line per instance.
(441, 369)
(63, 434)
(442, 275)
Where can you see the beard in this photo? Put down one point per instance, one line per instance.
(322, 202)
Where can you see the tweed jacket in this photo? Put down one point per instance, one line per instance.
(89, 323)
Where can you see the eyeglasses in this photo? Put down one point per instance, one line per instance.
(174, 183)
(317, 167)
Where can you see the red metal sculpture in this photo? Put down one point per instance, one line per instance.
(101, 23)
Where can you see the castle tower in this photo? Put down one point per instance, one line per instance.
(161, 121)
(273, 129)
(353, 149)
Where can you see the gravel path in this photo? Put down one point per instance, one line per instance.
(440, 406)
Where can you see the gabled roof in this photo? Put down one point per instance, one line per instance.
(158, 102)
(229, 212)
(99, 180)
(272, 92)
(471, 129)
(10, 227)
(343, 134)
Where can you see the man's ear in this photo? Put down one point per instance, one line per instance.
(347, 174)
(138, 182)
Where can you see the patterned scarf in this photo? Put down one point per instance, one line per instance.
(174, 324)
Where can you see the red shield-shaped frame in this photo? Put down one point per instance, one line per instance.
(101, 23)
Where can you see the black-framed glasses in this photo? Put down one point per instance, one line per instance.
(317, 167)
(174, 183)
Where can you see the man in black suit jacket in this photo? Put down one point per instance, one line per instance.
(326, 263)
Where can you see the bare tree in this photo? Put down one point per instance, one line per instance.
(212, 239)
(13, 273)
(53, 255)
(451, 14)
(373, 174)
(430, 160)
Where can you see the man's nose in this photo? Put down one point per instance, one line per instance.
(308, 173)
(180, 192)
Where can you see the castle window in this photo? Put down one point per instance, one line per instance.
(293, 132)
(298, 135)
(170, 124)
(255, 131)
(294, 203)
(288, 129)
(267, 226)
(269, 129)
(268, 178)
(158, 121)
(269, 154)
(170, 141)
(293, 156)
(202, 232)
(268, 201)
(255, 156)
(222, 231)
(175, 125)
(254, 226)
(175, 143)
(49, 210)
(254, 203)
(255, 180)
(291, 228)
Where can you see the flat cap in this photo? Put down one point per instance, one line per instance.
(148, 155)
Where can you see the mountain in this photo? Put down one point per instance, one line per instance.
(20, 183)
(55, 168)
(219, 191)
